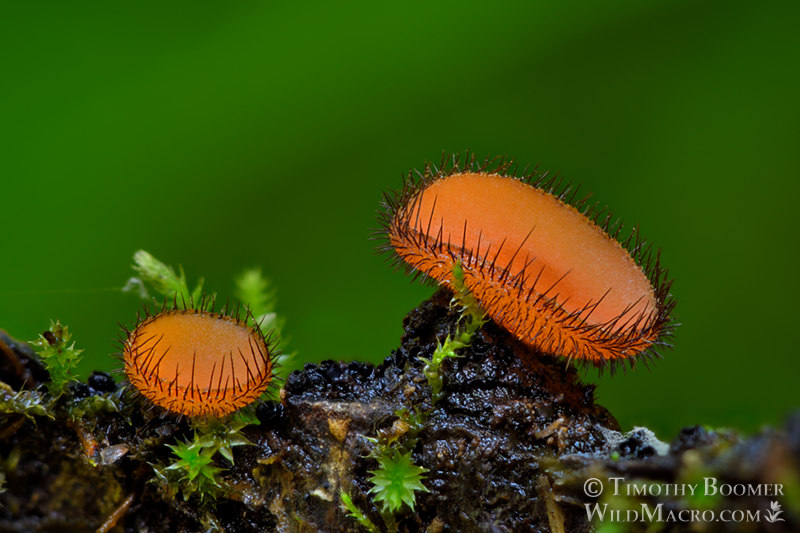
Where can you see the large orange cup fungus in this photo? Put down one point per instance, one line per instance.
(545, 269)
(195, 362)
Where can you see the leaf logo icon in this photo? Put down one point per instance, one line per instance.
(774, 512)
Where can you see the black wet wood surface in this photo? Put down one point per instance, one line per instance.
(507, 449)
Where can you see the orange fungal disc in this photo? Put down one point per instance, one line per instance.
(548, 270)
(197, 362)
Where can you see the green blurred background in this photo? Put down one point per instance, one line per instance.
(221, 136)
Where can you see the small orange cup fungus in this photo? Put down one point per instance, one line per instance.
(543, 268)
(196, 362)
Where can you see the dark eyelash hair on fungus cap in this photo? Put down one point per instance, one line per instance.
(196, 362)
(544, 265)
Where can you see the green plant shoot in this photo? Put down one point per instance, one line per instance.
(471, 320)
(59, 357)
(396, 481)
(356, 513)
(162, 279)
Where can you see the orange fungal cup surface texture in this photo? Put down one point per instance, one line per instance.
(541, 267)
(196, 362)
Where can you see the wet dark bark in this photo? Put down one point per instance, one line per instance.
(509, 448)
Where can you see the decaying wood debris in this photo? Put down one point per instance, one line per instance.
(510, 447)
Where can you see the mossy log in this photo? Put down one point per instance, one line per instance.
(509, 448)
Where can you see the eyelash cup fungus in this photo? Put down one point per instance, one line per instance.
(545, 267)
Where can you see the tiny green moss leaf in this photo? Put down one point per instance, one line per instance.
(356, 513)
(222, 435)
(193, 460)
(471, 320)
(95, 404)
(9, 464)
(471, 311)
(396, 482)
(194, 472)
(162, 279)
(59, 357)
(29, 403)
(254, 290)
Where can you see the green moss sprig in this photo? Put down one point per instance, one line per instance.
(59, 357)
(28, 403)
(97, 403)
(162, 279)
(9, 464)
(471, 319)
(196, 471)
(397, 479)
(255, 291)
(223, 434)
(355, 513)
